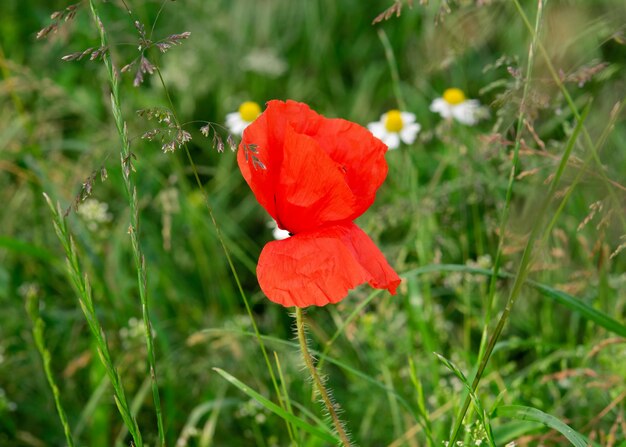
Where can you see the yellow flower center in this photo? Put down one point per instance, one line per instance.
(454, 96)
(393, 121)
(249, 110)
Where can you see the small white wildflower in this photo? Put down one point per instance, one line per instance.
(484, 261)
(168, 198)
(278, 233)
(453, 280)
(511, 444)
(264, 61)
(243, 117)
(454, 104)
(94, 213)
(5, 403)
(395, 126)
(28, 289)
(260, 418)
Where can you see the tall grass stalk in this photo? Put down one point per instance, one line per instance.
(220, 238)
(393, 68)
(133, 229)
(523, 268)
(484, 351)
(572, 106)
(600, 142)
(317, 380)
(80, 282)
(32, 309)
(290, 428)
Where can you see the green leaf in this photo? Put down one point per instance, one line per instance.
(532, 414)
(510, 431)
(281, 342)
(26, 248)
(569, 301)
(480, 412)
(296, 421)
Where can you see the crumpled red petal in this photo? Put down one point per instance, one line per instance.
(320, 267)
(311, 190)
(354, 152)
(263, 146)
(361, 154)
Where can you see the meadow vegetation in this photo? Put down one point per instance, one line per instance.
(129, 240)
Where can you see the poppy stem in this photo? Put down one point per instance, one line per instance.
(319, 384)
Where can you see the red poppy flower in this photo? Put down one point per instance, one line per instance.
(314, 176)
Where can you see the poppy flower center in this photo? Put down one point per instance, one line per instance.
(249, 110)
(393, 121)
(454, 96)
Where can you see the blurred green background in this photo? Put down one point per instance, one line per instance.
(441, 204)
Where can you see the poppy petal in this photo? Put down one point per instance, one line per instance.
(259, 166)
(360, 153)
(320, 267)
(353, 148)
(263, 145)
(311, 190)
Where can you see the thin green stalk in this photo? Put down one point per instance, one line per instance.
(317, 381)
(290, 428)
(421, 404)
(133, 230)
(523, 269)
(393, 67)
(572, 106)
(220, 238)
(605, 133)
(80, 282)
(482, 354)
(32, 309)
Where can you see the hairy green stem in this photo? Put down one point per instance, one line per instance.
(133, 230)
(317, 381)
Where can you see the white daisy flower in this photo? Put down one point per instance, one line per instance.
(242, 118)
(454, 104)
(395, 126)
(278, 233)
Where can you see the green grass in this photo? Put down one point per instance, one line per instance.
(510, 321)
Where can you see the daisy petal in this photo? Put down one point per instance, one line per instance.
(320, 267)
(441, 107)
(467, 112)
(409, 133)
(232, 117)
(407, 117)
(378, 129)
(392, 140)
(233, 123)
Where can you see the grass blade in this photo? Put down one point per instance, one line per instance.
(296, 421)
(569, 301)
(32, 309)
(480, 411)
(534, 415)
